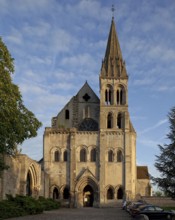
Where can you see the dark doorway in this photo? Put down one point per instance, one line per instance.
(55, 194)
(120, 193)
(66, 193)
(88, 196)
(110, 194)
(29, 184)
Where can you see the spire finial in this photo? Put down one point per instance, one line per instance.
(112, 9)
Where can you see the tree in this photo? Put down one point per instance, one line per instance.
(158, 193)
(165, 162)
(17, 123)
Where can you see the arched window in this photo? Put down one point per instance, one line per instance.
(57, 156)
(66, 193)
(29, 184)
(110, 156)
(67, 114)
(119, 121)
(55, 194)
(65, 155)
(93, 155)
(110, 121)
(120, 193)
(83, 156)
(118, 97)
(109, 95)
(110, 194)
(121, 95)
(119, 156)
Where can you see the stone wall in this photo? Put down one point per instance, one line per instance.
(14, 179)
(160, 201)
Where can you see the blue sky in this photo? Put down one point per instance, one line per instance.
(58, 45)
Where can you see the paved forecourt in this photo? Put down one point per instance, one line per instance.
(80, 214)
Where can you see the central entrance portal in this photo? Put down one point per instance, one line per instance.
(88, 196)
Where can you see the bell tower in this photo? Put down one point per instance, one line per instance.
(113, 86)
(116, 130)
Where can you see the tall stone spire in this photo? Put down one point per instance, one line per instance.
(113, 65)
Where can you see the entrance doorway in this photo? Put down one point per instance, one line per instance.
(88, 196)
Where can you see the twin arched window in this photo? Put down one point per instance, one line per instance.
(111, 156)
(110, 193)
(120, 95)
(119, 120)
(57, 156)
(56, 193)
(83, 155)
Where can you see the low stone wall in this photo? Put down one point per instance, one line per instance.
(160, 201)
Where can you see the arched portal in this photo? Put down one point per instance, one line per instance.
(88, 196)
(87, 187)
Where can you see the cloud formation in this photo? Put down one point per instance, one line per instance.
(58, 45)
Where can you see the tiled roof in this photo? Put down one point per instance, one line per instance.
(142, 172)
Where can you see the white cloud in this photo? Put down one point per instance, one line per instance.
(143, 82)
(54, 43)
(157, 125)
(92, 9)
(40, 29)
(15, 37)
(165, 88)
(80, 60)
(162, 53)
(62, 41)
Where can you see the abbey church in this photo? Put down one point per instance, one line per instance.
(89, 152)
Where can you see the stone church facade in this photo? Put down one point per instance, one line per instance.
(89, 152)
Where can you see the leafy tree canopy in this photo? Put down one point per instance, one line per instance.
(17, 123)
(165, 162)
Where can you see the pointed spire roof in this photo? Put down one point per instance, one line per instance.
(113, 64)
(113, 46)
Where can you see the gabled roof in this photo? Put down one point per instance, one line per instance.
(142, 172)
(86, 90)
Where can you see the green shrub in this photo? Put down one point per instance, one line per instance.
(29, 204)
(48, 204)
(9, 209)
(25, 205)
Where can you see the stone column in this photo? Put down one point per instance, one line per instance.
(72, 168)
(102, 168)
